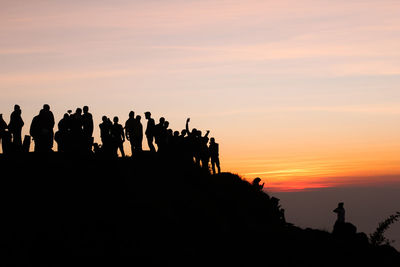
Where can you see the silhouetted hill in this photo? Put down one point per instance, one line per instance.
(59, 211)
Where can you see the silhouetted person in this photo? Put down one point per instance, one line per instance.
(34, 131)
(105, 135)
(118, 137)
(150, 131)
(3, 127)
(130, 126)
(204, 152)
(15, 127)
(87, 127)
(63, 135)
(256, 184)
(192, 143)
(159, 134)
(77, 137)
(214, 154)
(340, 213)
(47, 125)
(138, 134)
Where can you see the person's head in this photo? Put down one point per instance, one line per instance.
(115, 119)
(212, 140)
(340, 205)
(104, 118)
(85, 109)
(1, 116)
(199, 133)
(147, 115)
(46, 107)
(166, 124)
(78, 111)
(183, 132)
(162, 120)
(131, 114)
(41, 112)
(176, 133)
(17, 107)
(138, 117)
(170, 132)
(194, 131)
(256, 181)
(66, 116)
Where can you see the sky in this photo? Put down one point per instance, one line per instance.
(303, 94)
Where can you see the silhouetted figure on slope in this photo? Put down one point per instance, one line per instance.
(340, 221)
(343, 229)
(3, 127)
(15, 127)
(204, 152)
(40, 132)
(118, 137)
(340, 211)
(256, 184)
(63, 135)
(214, 155)
(130, 126)
(87, 128)
(105, 135)
(138, 134)
(47, 126)
(150, 131)
(192, 143)
(77, 138)
(159, 134)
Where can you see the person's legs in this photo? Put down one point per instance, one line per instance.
(150, 143)
(121, 149)
(218, 166)
(213, 166)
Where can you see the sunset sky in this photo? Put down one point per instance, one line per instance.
(304, 94)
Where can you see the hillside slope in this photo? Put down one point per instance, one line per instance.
(58, 211)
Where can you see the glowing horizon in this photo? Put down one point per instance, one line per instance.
(304, 94)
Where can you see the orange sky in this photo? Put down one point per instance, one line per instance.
(303, 94)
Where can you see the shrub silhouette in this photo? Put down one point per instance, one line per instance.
(377, 238)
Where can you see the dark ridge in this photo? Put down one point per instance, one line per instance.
(148, 210)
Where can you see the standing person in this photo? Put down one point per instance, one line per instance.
(105, 135)
(150, 131)
(87, 127)
(138, 134)
(47, 124)
(36, 132)
(118, 137)
(130, 126)
(62, 137)
(77, 142)
(204, 151)
(5, 136)
(214, 154)
(339, 226)
(159, 134)
(340, 211)
(3, 127)
(15, 126)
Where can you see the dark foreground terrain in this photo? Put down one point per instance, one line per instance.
(58, 211)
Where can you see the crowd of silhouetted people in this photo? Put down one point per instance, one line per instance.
(75, 136)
